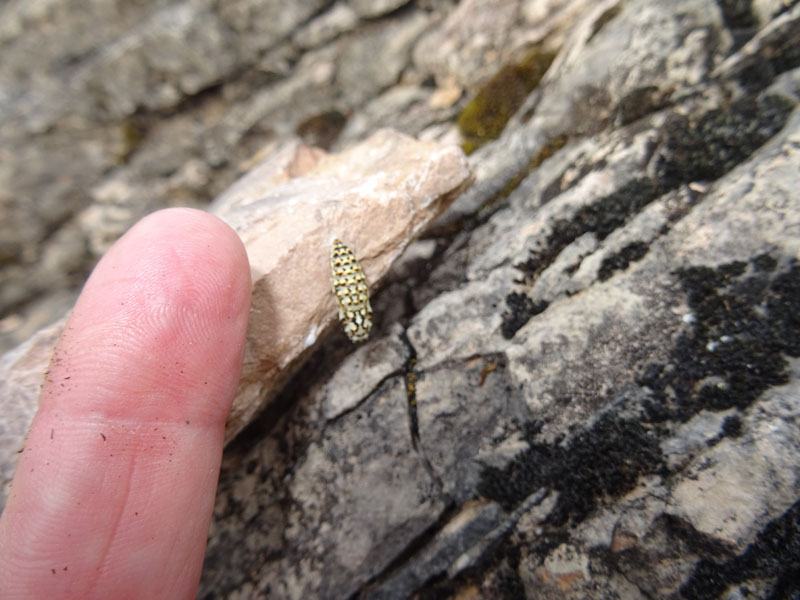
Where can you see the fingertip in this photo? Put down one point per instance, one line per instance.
(114, 491)
(164, 311)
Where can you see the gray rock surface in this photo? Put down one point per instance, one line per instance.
(584, 382)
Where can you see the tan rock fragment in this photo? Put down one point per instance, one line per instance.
(376, 197)
(445, 96)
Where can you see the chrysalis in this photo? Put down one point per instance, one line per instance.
(352, 294)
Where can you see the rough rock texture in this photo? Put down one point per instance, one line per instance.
(600, 360)
(585, 381)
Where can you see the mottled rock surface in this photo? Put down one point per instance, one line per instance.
(584, 382)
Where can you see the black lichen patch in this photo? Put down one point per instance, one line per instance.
(774, 555)
(611, 211)
(738, 14)
(777, 57)
(705, 148)
(600, 218)
(731, 427)
(604, 460)
(745, 319)
(755, 307)
(485, 116)
(640, 102)
(740, 19)
(698, 149)
(520, 310)
(622, 259)
(765, 262)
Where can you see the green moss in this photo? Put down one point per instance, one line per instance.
(705, 147)
(485, 116)
(621, 260)
(132, 135)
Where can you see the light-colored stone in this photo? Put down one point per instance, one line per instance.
(261, 25)
(375, 8)
(181, 50)
(471, 44)
(388, 184)
(726, 492)
(374, 59)
(362, 372)
(326, 27)
(765, 10)
(565, 564)
(445, 97)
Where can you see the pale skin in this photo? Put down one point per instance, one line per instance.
(114, 490)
